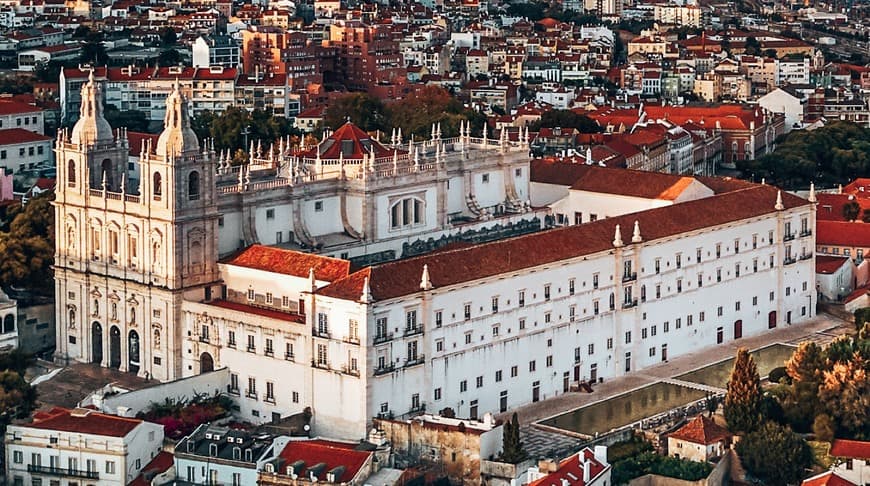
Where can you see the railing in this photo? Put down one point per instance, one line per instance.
(62, 471)
(351, 340)
(629, 304)
(415, 361)
(807, 232)
(318, 364)
(320, 333)
(203, 339)
(233, 390)
(382, 338)
(383, 370)
(806, 256)
(289, 357)
(788, 237)
(788, 260)
(269, 399)
(269, 352)
(251, 394)
(412, 331)
(347, 370)
(252, 349)
(629, 277)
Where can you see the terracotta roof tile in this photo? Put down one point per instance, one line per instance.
(249, 309)
(19, 135)
(828, 479)
(349, 142)
(399, 278)
(161, 462)
(829, 264)
(570, 471)
(842, 233)
(96, 423)
(855, 449)
(289, 262)
(332, 454)
(701, 430)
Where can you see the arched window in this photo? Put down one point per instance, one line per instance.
(747, 151)
(71, 173)
(643, 293)
(733, 150)
(106, 173)
(157, 186)
(8, 323)
(193, 186)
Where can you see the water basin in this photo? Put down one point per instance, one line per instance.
(717, 374)
(624, 409)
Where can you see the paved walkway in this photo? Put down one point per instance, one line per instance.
(822, 329)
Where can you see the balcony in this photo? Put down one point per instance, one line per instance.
(252, 349)
(269, 399)
(233, 390)
(806, 256)
(269, 352)
(629, 304)
(383, 338)
(417, 360)
(788, 260)
(629, 277)
(788, 237)
(324, 333)
(203, 339)
(347, 370)
(324, 365)
(289, 357)
(806, 232)
(251, 394)
(62, 471)
(383, 370)
(413, 331)
(351, 339)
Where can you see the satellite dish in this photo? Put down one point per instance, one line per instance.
(306, 427)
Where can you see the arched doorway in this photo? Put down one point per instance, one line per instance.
(96, 343)
(206, 363)
(738, 329)
(771, 320)
(133, 351)
(114, 347)
(8, 323)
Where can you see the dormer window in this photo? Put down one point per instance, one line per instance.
(212, 450)
(347, 148)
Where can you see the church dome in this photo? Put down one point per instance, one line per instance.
(92, 127)
(177, 137)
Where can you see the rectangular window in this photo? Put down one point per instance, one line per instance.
(549, 361)
(679, 260)
(590, 349)
(609, 343)
(321, 355)
(251, 295)
(522, 298)
(269, 349)
(514, 371)
(546, 292)
(571, 287)
(466, 310)
(719, 311)
(479, 382)
(522, 324)
(628, 337)
(494, 305)
(532, 366)
(270, 391)
(666, 327)
(437, 394)
(468, 338)
(251, 346)
(498, 376)
(643, 333)
(438, 316)
(269, 298)
(718, 250)
(594, 280)
(463, 386)
(270, 214)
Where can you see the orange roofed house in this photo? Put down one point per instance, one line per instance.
(587, 467)
(80, 446)
(699, 440)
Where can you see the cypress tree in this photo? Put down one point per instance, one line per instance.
(743, 399)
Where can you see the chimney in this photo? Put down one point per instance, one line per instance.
(601, 454)
(586, 470)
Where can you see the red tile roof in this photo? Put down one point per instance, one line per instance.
(289, 262)
(842, 233)
(701, 430)
(829, 264)
(13, 136)
(260, 311)
(827, 479)
(592, 178)
(361, 144)
(137, 139)
(161, 462)
(333, 454)
(399, 278)
(84, 422)
(570, 471)
(855, 449)
(15, 108)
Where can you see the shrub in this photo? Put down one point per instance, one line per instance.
(778, 375)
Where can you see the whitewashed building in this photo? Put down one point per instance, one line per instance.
(80, 446)
(680, 264)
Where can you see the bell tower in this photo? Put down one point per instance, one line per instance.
(125, 260)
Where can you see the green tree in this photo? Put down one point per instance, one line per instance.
(824, 428)
(93, 51)
(27, 249)
(431, 104)
(512, 447)
(227, 128)
(17, 397)
(566, 119)
(851, 210)
(363, 110)
(169, 57)
(775, 455)
(743, 397)
(752, 46)
(845, 392)
(168, 37)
